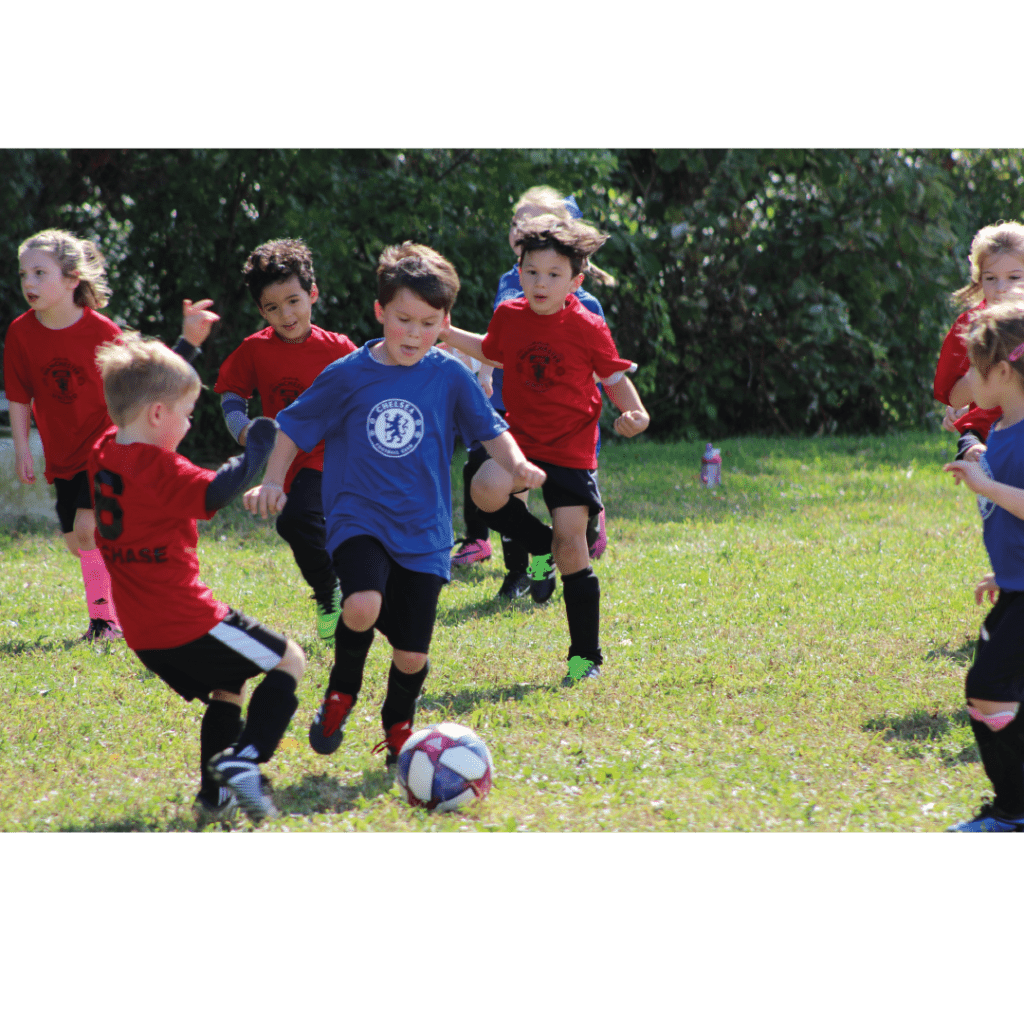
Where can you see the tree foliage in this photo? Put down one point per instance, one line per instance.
(760, 291)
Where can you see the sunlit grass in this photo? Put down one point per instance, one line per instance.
(784, 653)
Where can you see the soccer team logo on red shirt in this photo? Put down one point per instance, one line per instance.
(538, 365)
(286, 390)
(64, 378)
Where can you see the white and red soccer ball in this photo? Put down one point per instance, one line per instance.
(444, 767)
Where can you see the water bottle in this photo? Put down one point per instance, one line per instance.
(711, 466)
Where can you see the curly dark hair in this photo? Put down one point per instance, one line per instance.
(574, 239)
(276, 261)
(420, 269)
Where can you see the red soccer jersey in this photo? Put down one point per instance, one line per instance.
(953, 364)
(280, 371)
(55, 372)
(548, 386)
(146, 516)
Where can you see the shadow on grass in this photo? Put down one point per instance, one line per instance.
(460, 702)
(323, 794)
(41, 643)
(913, 734)
(489, 607)
(136, 823)
(963, 655)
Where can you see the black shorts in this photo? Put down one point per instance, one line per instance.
(566, 486)
(72, 495)
(409, 607)
(998, 669)
(236, 649)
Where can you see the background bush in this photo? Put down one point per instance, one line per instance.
(761, 291)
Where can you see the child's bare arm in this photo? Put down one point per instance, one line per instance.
(960, 394)
(507, 454)
(466, 341)
(634, 419)
(269, 498)
(1003, 495)
(21, 418)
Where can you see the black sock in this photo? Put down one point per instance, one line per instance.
(271, 707)
(403, 689)
(221, 724)
(476, 527)
(350, 650)
(581, 592)
(1002, 754)
(517, 558)
(514, 520)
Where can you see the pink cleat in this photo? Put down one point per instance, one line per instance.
(471, 551)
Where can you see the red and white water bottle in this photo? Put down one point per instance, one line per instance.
(711, 466)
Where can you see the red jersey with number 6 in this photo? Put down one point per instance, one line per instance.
(147, 503)
(55, 372)
(280, 371)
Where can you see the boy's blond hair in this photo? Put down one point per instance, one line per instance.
(138, 371)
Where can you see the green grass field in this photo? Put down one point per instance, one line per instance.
(785, 653)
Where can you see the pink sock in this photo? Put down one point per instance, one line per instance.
(1000, 720)
(97, 587)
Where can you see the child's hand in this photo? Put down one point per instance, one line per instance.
(24, 466)
(196, 321)
(265, 500)
(987, 585)
(952, 415)
(484, 376)
(969, 473)
(631, 423)
(527, 476)
(974, 453)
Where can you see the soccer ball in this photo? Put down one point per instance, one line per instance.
(444, 767)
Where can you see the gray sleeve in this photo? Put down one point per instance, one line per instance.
(239, 473)
(236, 412)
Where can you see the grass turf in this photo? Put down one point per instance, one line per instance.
(785, 653)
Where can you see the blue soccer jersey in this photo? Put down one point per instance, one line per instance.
(388, 434)
(1003, 531)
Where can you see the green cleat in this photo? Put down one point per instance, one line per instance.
(327, 615)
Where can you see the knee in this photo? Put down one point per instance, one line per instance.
(293, 662)
(361, 610)
(71, 540)
(408, 662)
(84, 533)
(228, 697)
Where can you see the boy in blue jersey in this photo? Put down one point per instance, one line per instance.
(388, 415)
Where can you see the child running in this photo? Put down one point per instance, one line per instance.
(50, 372)
(148, 499)
(476, 546)
(550, 348)
(995, 682)
(387, 416)
(997, 267)
(280, 362)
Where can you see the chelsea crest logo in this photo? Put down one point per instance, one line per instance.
(394, 427)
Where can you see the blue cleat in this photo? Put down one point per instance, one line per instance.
(989, 819)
